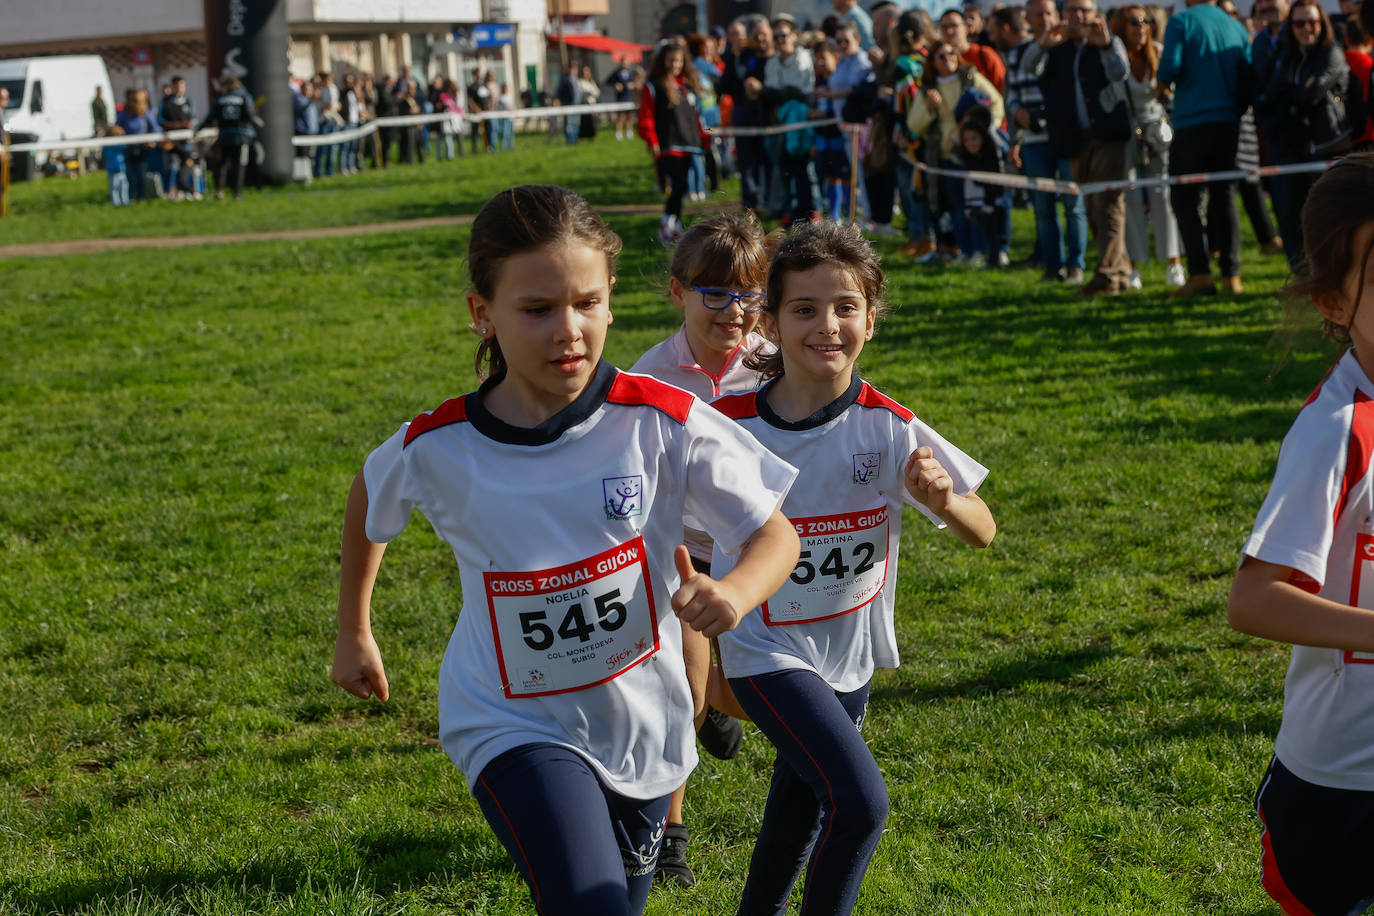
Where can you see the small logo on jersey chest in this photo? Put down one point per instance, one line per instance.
(866, 466)
(624, 496)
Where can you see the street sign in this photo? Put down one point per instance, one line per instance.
(493, 35)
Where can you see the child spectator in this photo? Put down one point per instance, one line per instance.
(117, 169)
(797, 148)
(982, 149)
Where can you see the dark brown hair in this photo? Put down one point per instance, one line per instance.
(726, 250)
(521, 219)
(658, 71)
(1290, 41)
(1339, 203)
(806, 246)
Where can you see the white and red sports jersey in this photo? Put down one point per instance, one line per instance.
(1318, 519)
(564, 535)
(834, 615)
(671, 361)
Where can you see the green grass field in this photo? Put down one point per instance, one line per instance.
(1074, 728)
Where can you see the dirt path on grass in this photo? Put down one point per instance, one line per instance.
(97, 246)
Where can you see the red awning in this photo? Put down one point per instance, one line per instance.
(603, 44)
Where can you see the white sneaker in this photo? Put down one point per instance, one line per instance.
(1135, 280)
(1003, 259)
(1174, 276)
(977, 259)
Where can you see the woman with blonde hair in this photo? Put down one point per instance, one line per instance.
(934, 117)
(1147, 155)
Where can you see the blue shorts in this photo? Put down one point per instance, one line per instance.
(827, 803)
(580, 847)
(1318, 844)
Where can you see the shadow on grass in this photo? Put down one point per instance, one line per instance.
(1057, 666)
(392, 862)
(1148, 348)
(1263, 722)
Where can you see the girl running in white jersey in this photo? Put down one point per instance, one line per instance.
(800, 666)
(1306, 577)
(561, 485)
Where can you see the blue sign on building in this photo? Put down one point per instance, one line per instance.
(493, 36)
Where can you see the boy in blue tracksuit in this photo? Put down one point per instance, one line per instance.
(117, 169)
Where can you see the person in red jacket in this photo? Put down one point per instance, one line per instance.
(669, 122)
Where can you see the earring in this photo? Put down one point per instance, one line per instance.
(482, 331)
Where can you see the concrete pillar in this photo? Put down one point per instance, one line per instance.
(381, 56)
(319, 54)
(401, 49)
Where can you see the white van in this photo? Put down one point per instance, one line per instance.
(50, 97)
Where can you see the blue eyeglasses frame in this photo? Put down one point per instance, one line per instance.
(735, 299)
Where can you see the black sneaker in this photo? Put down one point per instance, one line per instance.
(720, 734)
(672, 857)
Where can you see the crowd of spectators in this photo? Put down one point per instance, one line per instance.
(1062, 91)
(1066, 91)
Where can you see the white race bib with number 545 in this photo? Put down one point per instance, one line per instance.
(574, 626)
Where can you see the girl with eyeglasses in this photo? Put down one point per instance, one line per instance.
(716, 280)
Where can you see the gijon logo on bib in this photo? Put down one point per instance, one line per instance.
(866, 465)
(624, 496)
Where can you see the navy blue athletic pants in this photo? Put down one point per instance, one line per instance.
(827, 804)
(579, 846)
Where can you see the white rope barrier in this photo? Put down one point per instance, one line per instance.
(459, 121)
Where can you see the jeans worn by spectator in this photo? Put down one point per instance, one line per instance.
(324, 155)
(1057, 249)
(952, 202)
(915, 203)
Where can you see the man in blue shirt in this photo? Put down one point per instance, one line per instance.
(1207, 59)
(850, 11)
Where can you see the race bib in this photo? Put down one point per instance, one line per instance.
(842, 567)
(1362, 589)
(574, 626)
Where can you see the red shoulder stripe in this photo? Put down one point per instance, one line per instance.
(454, 410)
(872, 397)
(1360, 449)
(738, 406)
(640, 390)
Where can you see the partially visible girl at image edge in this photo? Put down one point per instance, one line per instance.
(801, 665)
(561, 486)
(716, 281)
(1306, 577)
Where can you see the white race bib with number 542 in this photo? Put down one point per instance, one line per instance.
(574, 626)
(842, 567)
